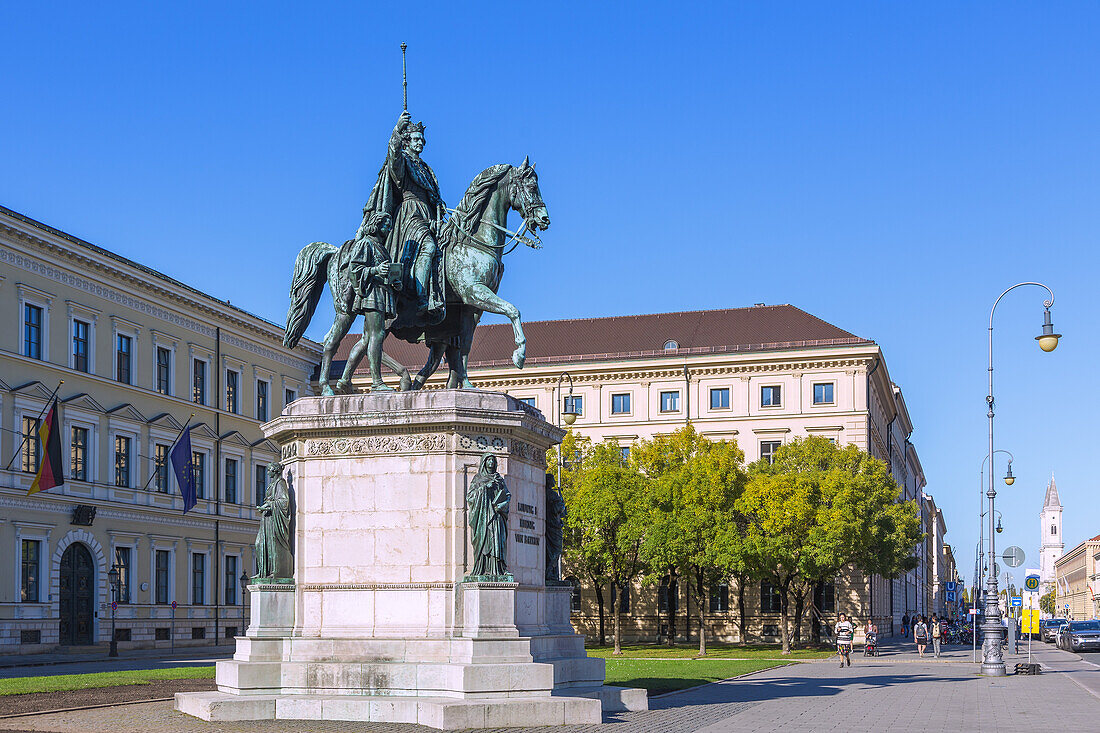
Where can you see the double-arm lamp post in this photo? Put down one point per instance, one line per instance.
(992, 658)
(1009, 480)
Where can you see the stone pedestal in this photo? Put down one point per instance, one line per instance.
(379, 624)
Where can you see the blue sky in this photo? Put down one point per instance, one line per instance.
(888, 168)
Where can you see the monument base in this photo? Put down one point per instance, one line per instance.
(383, 621)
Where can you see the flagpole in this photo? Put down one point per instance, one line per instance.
(154, 473)
(49, 401)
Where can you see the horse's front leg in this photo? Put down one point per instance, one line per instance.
(336, 334)
(483, 298)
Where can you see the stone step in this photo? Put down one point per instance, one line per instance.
(435, 712)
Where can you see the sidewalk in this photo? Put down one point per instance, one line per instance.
(896, 692)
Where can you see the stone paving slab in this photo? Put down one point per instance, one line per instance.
(888, 693)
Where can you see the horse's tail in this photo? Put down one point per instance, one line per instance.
(310, 275)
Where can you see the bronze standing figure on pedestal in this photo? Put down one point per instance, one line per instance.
(487, 514)
(272, 550)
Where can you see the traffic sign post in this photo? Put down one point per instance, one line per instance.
(1031, 582)
(1017, 601)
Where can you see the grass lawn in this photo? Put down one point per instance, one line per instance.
(58, 683)
(714, 651)
(657, 675)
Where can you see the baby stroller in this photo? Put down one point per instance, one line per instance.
(870, 645)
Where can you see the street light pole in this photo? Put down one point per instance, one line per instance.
(1009, 480)
(569, 414)
(992, 658)
(113, 580)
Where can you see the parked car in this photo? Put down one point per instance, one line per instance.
(1061, 637)
(1048, 628)
(1081, 635)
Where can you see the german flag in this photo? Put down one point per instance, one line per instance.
(49, 473)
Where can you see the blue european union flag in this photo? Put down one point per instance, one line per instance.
(184, 470)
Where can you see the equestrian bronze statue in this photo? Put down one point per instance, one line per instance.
(414, 272)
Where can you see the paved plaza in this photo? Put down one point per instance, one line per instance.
(894, 692)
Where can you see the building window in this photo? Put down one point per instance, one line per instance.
(289, 396)
(122, 560)
(80, 346)
(123, 358)
(574, 403)
(528, 401)
(231, 580)
(823, 393)
(624, 454)
(198, 469)
(720, 598)
(670, 402)
(668, 596)
(232, 388)
(261, 484)
(162, 577)
(768, 449)
(29, 562)
(31, 445)
(122, 461)
(261, 400)
(825, 597)
(623, 597)
(769, 598)
(231, 480)
(164, 370)
(198, 579)
(771, 396)
(620, 404)
(160, 467)
(198, 382)
(671, 344)
(1053, 527)
(720, 398)
(574, 595)
(32, 331)
(78, 454)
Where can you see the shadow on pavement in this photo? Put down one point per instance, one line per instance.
(758, 690)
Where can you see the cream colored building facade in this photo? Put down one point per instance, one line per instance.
(1075, 581)
(139, 353)
(762, 376)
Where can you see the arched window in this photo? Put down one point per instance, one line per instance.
(671, 344)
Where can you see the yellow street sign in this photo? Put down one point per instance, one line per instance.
(1030, 621)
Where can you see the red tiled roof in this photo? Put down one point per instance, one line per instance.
(759, 328)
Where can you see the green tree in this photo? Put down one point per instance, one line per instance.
(608, 502)
(1046, 602)
(582, 558)
(818, 509)
(693, 529)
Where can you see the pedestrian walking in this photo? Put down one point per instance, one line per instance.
(845, 632)
(905, 624)
(937, 635)
(920, 634)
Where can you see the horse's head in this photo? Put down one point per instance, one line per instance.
(526, 199)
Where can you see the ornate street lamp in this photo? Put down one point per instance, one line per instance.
(992, 632)
(979, 566)
(113, 579)
(244, 603)
(568, 414)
